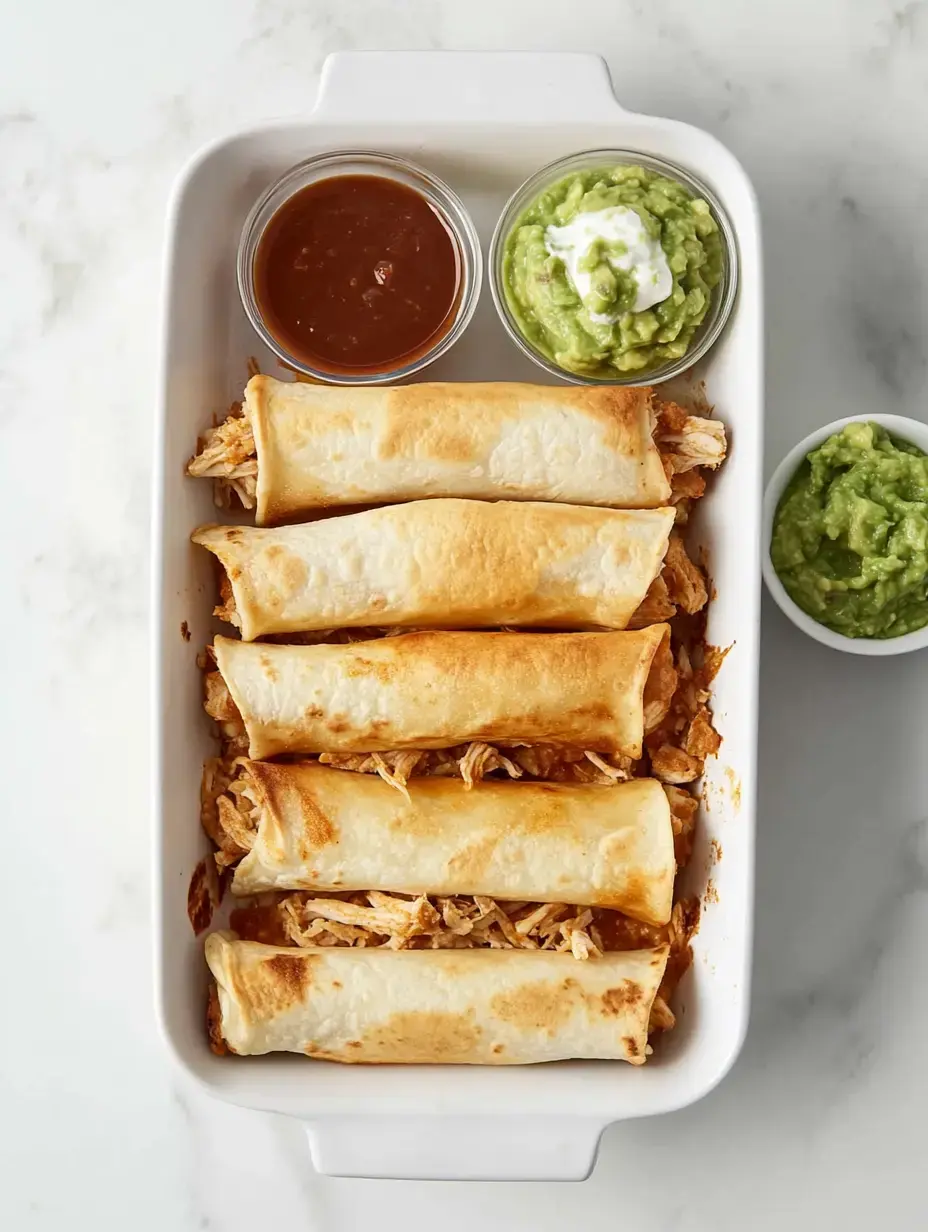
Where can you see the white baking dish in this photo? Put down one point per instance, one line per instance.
(483, 122)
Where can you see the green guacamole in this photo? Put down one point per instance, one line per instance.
(850, 535)
(571, 330)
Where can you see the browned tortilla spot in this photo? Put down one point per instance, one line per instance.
(360, 666)
(413, 428)
(538, 1006)
(202, 894)
(420, 1036)
(615, 1001)
(280, 982)
(318, 830)
(268, 668)
(281, 792)
(214, 1023)
(286, 572)
(471, 862)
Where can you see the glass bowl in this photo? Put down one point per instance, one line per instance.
(442, 199)
(723, 296)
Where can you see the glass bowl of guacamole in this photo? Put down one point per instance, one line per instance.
(846, 527)
(613, 267)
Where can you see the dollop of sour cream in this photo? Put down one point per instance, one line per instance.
(642, 256)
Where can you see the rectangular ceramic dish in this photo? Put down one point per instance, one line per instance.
(483, 122)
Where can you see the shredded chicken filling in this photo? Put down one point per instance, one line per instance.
(687, 441)
(677, 748)
(227, 454)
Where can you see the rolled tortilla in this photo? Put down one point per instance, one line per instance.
(455, 1007)
(319, 445)
(443, 564)
(436, 690)
(321, 829)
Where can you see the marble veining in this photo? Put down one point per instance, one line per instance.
(820, 1125)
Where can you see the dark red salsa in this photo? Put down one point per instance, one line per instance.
(357, 273)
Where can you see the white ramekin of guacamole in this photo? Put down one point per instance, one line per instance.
(846, 535)
(613, 266)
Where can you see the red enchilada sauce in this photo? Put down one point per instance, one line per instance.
(357, 273)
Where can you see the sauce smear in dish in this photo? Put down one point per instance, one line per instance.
(357, 273)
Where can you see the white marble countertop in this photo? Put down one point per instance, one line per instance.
(821, 1122)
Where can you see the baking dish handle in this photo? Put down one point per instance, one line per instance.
(422, 87)
(456, 1148)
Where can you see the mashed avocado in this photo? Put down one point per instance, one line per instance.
(850, 536)
(591, 249)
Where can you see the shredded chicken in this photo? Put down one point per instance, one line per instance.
(659, 687)
(480, 759)
(225, 608)
(227, 454)
(387, 915)
(671, 765)
(400, 922)
(686, 585)
(395, 767)
(655, 607)
(557, 765)
(680, 584)
(662, 1016)
(229, 812)
(219, 705)
(218, 702)
(475, 761)
(683, 810)
(615, 773)
(701, 740)
(686, 486)
(687, 441)
(678, 746)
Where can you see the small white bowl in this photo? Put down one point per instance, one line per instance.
(910, 430)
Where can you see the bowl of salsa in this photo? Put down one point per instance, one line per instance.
(846, 535)
(359, 268)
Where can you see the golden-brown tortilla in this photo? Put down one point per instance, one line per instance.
(453, 1007)
(444, 564)
(599, 846)
(436, 690)
(323, 445)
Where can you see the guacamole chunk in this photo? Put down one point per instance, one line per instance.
(850, 535)
(612, 270)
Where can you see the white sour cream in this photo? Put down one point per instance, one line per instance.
(643, 255)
